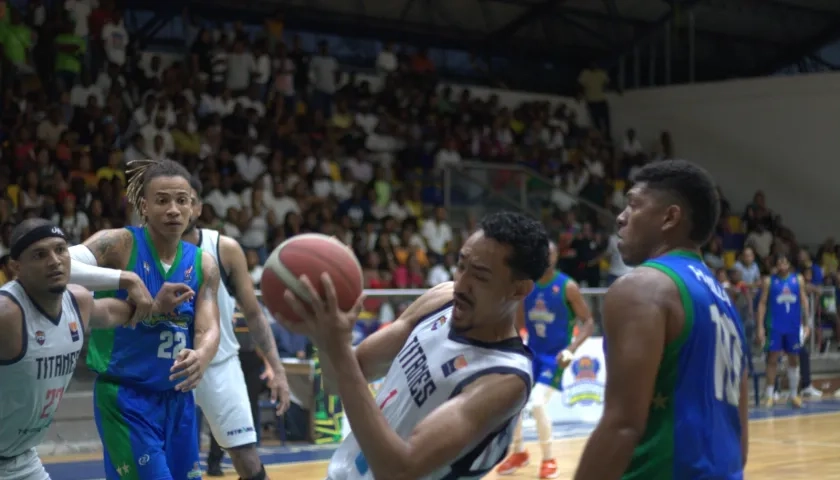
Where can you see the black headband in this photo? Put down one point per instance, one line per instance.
(35, 235)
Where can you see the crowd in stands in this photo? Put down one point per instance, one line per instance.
(287, 142)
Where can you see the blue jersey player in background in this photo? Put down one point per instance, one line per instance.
(550, 313)
(675, 405)
(143, 400)
(783, 308)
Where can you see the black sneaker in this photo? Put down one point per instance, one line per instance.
(215, 470)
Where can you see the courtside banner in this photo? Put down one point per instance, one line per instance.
(582, 398)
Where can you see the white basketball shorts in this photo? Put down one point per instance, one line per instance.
(26, 466)
(223, 398)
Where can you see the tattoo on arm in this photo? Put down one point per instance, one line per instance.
(110, 247)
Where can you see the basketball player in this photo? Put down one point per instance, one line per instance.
(43, 319)
(550, 312)
(784, 293)
(222, 393)
(143, 400)
(676, 393)
(456, 372)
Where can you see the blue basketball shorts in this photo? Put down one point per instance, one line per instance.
(146, 435)
(546, 371)
(787, 342)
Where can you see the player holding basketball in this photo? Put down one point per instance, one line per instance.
(43, 320)
(222, 393)
(550, 312)
(783, 306)
(456, 372)
(676, 393)
(143, 401)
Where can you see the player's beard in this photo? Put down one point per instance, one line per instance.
(57, 289)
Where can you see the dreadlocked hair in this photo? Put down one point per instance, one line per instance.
(141, 172)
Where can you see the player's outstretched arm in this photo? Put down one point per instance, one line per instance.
(762, 310)
(207, 329)
(104, 313)
(11, 324)
(635, 322)
(243, 290)
(806, 303)
(480, 409)
(377, 352)
(97, 265)
(582, 314)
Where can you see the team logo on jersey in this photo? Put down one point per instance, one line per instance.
(453, 365)
(585, 387)
(146, 267)
(188, 274)
(439, 322)
(74, 331)
(786, 298)
(540, 312)
(40, 337)
(555, 289)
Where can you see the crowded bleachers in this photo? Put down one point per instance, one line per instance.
(287, 141)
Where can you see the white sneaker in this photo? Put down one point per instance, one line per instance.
(837, 393)
(810, 391)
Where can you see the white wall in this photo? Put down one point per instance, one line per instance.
(779, 134)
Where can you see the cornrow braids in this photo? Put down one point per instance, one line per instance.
(141, 172)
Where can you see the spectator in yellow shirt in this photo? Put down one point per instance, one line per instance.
(115, 167)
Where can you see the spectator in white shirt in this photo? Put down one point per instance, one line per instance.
(631, 145)
(240, 68)
(386, 61)
(158, 128)
(224, 201)
(447, 156)
(323, 70)
(249, 165)
(82, 91)
(115, 39)
(437, 232)
(617, 267)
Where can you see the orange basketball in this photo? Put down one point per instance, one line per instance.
(311, 255)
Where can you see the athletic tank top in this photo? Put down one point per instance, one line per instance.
(434, 366)
(549, 317)
(784, 310)
(228, 344)
(33, 383)
(142, 356)
(694, 428)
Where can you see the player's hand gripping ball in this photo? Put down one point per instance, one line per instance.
(311, 255)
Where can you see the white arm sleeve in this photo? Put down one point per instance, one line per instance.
(84, 272)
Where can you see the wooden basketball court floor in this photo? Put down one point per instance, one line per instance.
(785, 444)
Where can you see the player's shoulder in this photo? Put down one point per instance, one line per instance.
(644, 282)
(431, 301)
(10, 308)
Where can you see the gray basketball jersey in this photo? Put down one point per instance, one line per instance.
(33, 384)
(228, 344)
(434, 366)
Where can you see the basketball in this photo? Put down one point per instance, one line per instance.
(311, 255)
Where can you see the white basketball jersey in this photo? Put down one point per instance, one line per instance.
(228, 345)
(434, 366)
(31, 387)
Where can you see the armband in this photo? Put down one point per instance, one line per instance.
(83, 271)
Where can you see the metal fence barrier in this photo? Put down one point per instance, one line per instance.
(393, 300)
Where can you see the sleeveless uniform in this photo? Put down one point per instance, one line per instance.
(34, 382)
(148, 430)
(550, 322)
(434, 366)
(784, 314)
(222, 393)
(694, 427)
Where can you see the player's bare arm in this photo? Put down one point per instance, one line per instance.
(582, 315)
(762, 310)
(191, 364)
(11, 324)
(98, 265)
(744, 413)
(636, 310)
(104, 313)
(482, 408)
(806, 304)
(243, 286)
(377, 352)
